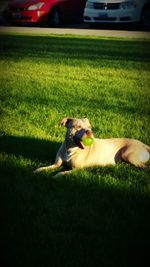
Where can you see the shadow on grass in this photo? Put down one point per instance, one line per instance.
(72, 221)
(31, 148)
(58, 48)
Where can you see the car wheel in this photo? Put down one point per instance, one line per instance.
(145, 19)
(55, 18)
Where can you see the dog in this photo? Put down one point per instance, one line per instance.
(102, 152)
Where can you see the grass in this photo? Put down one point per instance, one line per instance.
(96, 216)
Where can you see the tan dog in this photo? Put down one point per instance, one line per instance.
(101, 153)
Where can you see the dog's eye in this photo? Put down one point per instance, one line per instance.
(78, 127)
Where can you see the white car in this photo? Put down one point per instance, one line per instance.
(117, 11)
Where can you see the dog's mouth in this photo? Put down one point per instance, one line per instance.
(78, 142)
(79, 137)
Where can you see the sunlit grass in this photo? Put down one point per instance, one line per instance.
(96, 216)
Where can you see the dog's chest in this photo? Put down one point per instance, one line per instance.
(73, 157)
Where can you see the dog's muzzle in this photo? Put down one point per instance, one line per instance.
(79, 135)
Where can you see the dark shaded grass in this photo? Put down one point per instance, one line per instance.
(73, 48)
(29, 148)
(99, 219)
(70, 222)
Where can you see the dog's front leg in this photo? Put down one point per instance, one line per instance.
(58, 161)
(57, 164)
(47, 168)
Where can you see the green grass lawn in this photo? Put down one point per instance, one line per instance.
(94, 217)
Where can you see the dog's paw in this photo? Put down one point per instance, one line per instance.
(40, 170)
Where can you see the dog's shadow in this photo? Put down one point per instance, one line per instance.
(31, 148)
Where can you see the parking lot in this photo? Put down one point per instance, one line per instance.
(108, 30)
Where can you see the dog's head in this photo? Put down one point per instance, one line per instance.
(77, 129)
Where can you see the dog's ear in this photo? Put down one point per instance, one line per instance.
(86, 120)
(65, 121)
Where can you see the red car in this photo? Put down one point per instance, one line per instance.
(53, 12)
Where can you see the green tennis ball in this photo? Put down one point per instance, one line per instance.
(88, 141)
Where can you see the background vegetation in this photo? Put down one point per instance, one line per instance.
(96, 216)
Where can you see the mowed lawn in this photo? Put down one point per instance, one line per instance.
(93, 217)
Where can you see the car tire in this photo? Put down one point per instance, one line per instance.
(55, 18)
(145, 18)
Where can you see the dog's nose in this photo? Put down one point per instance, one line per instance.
(89, 132)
